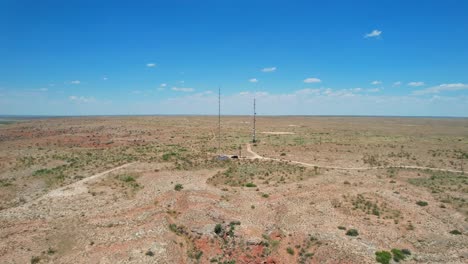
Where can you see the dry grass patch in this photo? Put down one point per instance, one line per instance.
(252, 173)
(372, 204)
(446, 187)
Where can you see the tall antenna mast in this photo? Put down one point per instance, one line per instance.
(254, 114)
(219, 120)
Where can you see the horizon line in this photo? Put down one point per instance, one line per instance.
(215, 115)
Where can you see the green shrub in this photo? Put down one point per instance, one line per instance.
(406, 251)
(265, 195)
(234, 223)
(398, 255)
(178, 187)
(342, 228)
(421, 203)
(219, 229)
(250, 184)
(195, 254)
(35, 259)
(127, 178)
(455, 232)
(383, 257)
(42, 172)
(167, 156)
(173, 228)
(352, 232)
(290, 250)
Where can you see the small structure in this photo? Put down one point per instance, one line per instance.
(226, 157)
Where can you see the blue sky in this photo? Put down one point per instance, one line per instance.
(298, 57)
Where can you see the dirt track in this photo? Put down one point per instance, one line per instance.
(254, 155)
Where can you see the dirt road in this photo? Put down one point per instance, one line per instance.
(80, 186)
(254, 155)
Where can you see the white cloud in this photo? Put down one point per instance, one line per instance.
(327, 101)
(376, 82)
(308, 91)
(256, 94)
(43, 89)
(270, 69)
(105, 78)
(151, 65)
(373, 90)
(253, 80)
(397, 83)
(416, 84)
(75, 82)
(356, 90)
(163, 85)
(442, 88)
(312, 80)
(81, 99)
(182, 89)
(374, 34)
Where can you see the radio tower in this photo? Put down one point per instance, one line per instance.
(254, 114)
(219, 120)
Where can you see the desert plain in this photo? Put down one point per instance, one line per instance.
(150, 189)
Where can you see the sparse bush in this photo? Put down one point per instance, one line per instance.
(167, 156)
(290, 250)
(35, 259)
(178, 230)
(375, 211)
(372, 160)
(455, 232)
(352, 232)
(149, 253)
(235, 223)
(219, 230)
(195, 254)
(173, 228)
(178, 187)
(383, 257)
(250, 184)
(51, 251)
(5, 183)
(406, 251)
(398, 255)
(265, 195)
(341, 227)
(127, 178)
(421, 203)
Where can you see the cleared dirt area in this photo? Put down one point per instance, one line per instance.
(150, 190)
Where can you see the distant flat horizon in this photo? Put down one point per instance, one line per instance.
(227, 115)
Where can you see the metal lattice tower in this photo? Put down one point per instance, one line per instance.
(254, 121)
(219, 120)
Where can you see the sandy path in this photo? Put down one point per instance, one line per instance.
(256, 156)
(80, 186)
